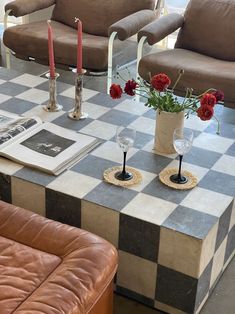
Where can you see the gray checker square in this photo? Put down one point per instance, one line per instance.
(8, 75)
(230, 247)
(157, 189)
(12, 89)
(190, 222)
(63, 208)
(60, 86)
(139, 237)
(104, 100)
(149, 162)
(151, 114)
(5, 188)
(219, 182)
(93, 166)
(176, 289)
(226, 130)
(68, 123)
(118, 117)
(17, 106)
(110, 196)
(202, 157)
(34, 176)
(66, 102)
(223, 227)
(231, 150)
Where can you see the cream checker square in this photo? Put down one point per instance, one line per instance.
(149, 208)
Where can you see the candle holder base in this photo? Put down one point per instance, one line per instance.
(50, 108)
(77, 116)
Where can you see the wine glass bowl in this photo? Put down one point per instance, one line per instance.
(182, 141)
(125, 138)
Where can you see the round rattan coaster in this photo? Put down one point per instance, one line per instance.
(164, 177)
(109, 176)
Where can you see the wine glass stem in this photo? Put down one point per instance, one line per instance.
(124, 164)
(179, 173)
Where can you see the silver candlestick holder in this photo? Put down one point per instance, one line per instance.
(76, 113)
(52, 105)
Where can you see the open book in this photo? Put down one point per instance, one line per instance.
(45, 146)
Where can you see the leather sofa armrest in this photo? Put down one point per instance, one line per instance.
(159, 29)
(19, 8)
(131, 24)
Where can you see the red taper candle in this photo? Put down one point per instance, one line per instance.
(51, 51)
(79, 47)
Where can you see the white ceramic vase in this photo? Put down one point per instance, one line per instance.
(166, 123)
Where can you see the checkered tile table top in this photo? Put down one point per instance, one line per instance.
(150, 205)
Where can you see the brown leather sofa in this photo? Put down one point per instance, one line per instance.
(100, 19)
(47, 267)
(205, 48)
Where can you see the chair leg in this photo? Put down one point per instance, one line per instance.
(139, 56)
(7, 50)
(110, 60)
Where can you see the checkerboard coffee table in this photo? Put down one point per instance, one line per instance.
(173, 245)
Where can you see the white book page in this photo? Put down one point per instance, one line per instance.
(48, 147)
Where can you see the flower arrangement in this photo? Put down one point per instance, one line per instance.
(160, 98)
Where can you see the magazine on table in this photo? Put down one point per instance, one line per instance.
(45, 146)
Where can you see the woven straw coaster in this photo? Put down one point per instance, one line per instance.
(109, 176)
(164, 177)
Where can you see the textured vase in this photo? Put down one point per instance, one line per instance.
(166, 123)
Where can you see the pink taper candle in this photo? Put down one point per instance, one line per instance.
(51, 51)
(79, 47)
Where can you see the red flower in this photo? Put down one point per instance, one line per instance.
(160, 82)
(208, 100)
(130, 87)
(219, 95)
(205, 112)
(115, 91)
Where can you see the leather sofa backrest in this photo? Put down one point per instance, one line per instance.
(209, 28)
(97, 15)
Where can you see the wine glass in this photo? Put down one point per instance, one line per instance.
(125, 138)
(182, 141)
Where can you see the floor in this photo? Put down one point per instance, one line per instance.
(222, 300)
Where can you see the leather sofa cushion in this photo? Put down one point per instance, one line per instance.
(201, 72)
(23, 270)
(202, 31)
(47, 267)
(33, 39)
(97, 15)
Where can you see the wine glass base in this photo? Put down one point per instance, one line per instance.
(175, 178)
(123, 177)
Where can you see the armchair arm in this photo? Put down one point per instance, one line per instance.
(159, 29)
(23, 7)
(131, 24)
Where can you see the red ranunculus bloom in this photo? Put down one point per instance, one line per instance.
(130, 87)
(219, 95)
(208, 100)
(205, 112)
(115, 91)
(160, 82)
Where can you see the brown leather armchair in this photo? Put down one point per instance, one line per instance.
(103, 21)
(204, 48)
(48, 267)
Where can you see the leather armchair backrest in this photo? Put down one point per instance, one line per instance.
(97, 15)
(209, 28)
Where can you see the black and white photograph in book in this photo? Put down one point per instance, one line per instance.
(47, 143)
